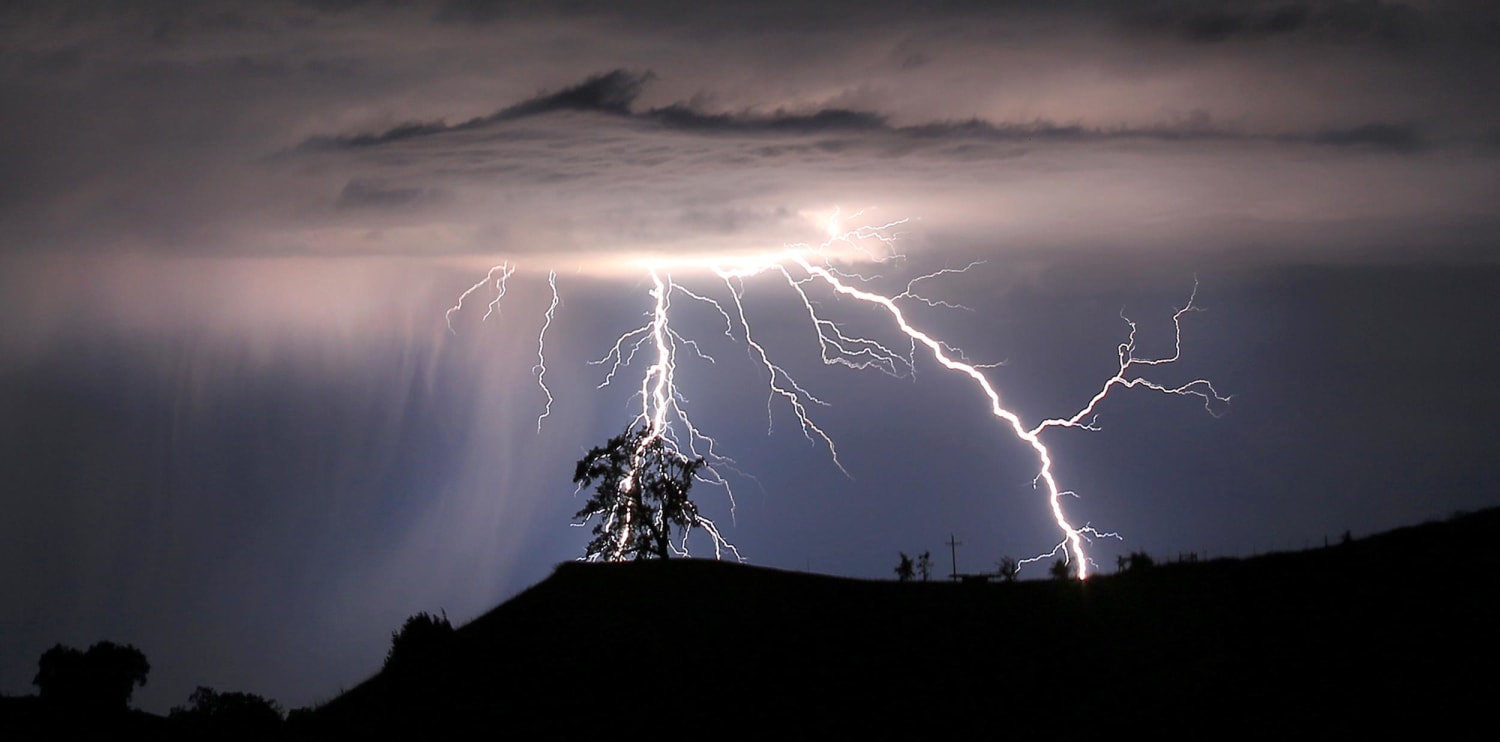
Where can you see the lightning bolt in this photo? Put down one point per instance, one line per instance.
(505, 270)
(540, 369)
(663, 408)
(1073, 536)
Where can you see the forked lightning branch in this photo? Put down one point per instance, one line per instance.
(804, 267)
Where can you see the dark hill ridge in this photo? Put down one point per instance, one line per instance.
(1396, 630)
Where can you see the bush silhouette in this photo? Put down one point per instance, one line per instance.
(100, 679)
(904, 570)
(421, 644)
(1061, 569)
(1007, 568)
(217, 715)
(1139, 561)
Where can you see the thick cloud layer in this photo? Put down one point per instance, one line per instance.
(262, 128)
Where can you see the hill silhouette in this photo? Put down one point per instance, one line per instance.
(1395, 631)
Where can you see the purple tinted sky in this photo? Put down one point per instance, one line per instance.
(235, 431)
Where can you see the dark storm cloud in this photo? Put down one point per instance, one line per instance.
(609, 93)
(613, 94)
(1212, 26)
(366, 193)
(1191, 21)
(340, 6)
(156, 119)
(683, 116)
(729, 221)
(1338, 21)
(678, 12)
(1394, 137)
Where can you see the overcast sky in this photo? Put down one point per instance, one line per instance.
(236, 430)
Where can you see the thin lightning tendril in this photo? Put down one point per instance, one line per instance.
(540, 369)
(505, 269)
(662, 406)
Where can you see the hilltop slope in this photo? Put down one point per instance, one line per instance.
(1395, 630)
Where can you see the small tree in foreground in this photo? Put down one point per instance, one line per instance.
(641, 488)
(904, 570)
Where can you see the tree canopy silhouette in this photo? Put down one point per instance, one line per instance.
(214, 715)
(101, 679)
(422, 644)
(1008, 568)
(1061, 569)
(904, 568)
(641, 485)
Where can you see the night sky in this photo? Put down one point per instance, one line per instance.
(236, 431)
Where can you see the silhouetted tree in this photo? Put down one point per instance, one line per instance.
(1121, 562)
(1061, 570)
(101, 679)
(1140, 560)
(1008, 568)
(215, 715)
(642, 493)
(924, 565)
(904, 568)
(421, 644)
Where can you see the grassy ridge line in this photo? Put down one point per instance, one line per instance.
(1373, 633)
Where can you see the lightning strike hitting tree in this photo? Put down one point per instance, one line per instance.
(665, 426)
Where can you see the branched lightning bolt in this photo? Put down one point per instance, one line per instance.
(1072, 543)
(505, 269)
(662, 406)
(910, 292)
(1201, 388)
(781, 383)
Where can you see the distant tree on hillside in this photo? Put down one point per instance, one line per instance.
(421, 644)
(1140, 561)
(641, 495)
(215, 715)
(1007, 568)
(100, 679)
(924, 565)
(904, 570)
(1061, 570)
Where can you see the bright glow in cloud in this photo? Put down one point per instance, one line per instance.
(663, 415)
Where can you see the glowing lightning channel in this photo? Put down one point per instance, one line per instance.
(662, 410)
(1072, 543)
(1201, 388)
(540, 369)
(661, 406)
(505, 270)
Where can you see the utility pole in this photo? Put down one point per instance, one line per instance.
(953, 545)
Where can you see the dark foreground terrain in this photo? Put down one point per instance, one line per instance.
(1396, 631)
